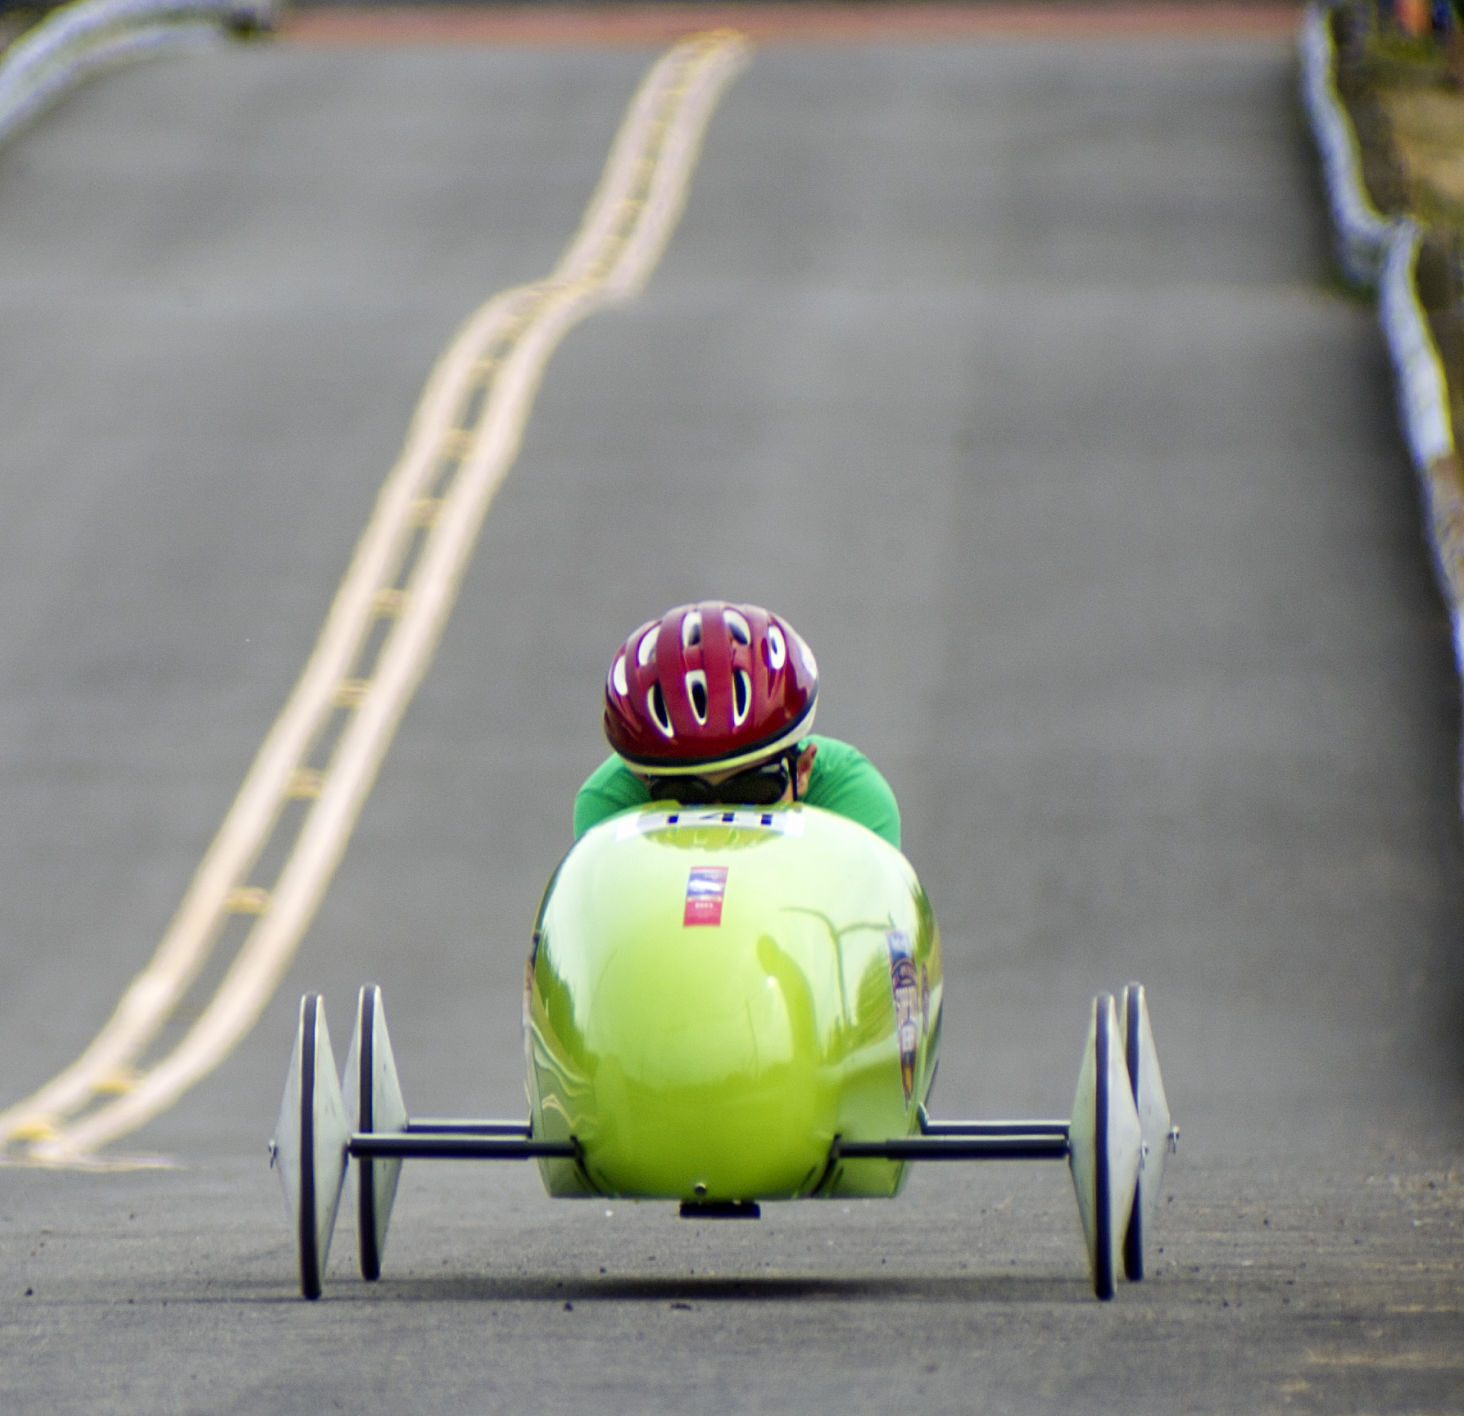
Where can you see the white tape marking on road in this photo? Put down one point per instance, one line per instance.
(625, 229)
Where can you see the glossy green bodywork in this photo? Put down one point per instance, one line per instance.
(716, 1060)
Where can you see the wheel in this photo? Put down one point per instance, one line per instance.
(1133, 1239)
(374, 1098)
(310, 1143)
(1156, 1133)
(1103, 1144)
(312, 1261)
(1104, 1284)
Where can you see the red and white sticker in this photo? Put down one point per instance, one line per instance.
(706, 887)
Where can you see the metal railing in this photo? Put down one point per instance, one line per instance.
(80, 38)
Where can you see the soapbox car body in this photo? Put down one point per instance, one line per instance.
(725, 1007)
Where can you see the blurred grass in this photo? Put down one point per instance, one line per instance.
(1428, 135)
(1405, 95)
(14, 21)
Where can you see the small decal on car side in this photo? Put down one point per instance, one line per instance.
(706, 887)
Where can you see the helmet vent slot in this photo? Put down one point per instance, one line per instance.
(656, 702)
(741, 697)
(696, 690)
(737, 626)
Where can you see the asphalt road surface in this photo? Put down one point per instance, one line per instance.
(1015, 374)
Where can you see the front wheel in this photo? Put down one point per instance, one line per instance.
(310, 1142)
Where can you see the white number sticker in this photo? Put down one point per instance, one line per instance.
(743, 818)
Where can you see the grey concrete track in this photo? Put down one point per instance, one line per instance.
(1014, 375)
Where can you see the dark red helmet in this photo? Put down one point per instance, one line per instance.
(709, 687)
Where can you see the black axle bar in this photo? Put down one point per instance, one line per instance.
(456, 1145)
(955, 1147)
(434, 1139)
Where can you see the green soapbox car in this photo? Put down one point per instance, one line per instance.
(725, 1007)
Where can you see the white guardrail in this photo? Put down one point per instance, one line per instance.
(1382, 252)
(79, 38)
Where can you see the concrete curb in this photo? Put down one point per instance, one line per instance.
(1359, 228)
(1382, 253)
(80, 38)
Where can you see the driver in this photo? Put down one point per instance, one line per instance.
(712, 703)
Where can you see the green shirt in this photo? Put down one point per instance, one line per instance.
(843, 780)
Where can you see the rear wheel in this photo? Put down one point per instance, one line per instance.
(1156, 1132)
(1133, 1239)
(373, 1099)
(365, 1121)
(1103, 1145)
(1104, 1045)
